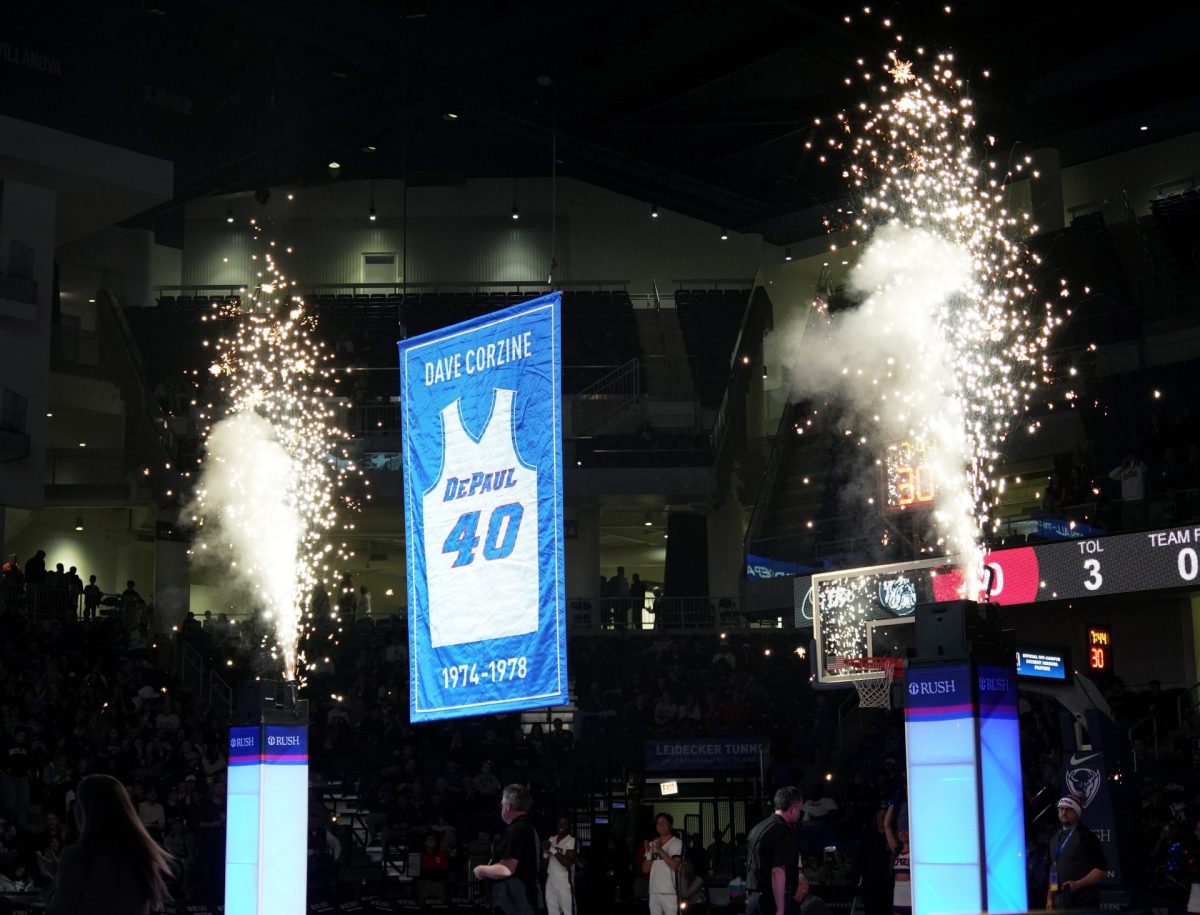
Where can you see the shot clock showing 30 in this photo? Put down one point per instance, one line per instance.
(1099, 648)
(483, 511)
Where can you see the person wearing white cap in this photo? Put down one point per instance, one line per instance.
(1077, 861)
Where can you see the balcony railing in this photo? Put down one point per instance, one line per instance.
(587, 615)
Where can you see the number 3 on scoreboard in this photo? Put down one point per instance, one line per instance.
(462, 538)
(1094, 580)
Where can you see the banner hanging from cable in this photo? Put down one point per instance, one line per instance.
(482, 428)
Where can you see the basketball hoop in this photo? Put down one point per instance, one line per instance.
(875, 685)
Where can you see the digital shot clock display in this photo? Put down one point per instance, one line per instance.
(908, 480)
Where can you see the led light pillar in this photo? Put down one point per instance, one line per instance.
(965, 806)
(266, 832)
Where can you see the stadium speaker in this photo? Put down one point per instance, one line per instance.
(951, 629)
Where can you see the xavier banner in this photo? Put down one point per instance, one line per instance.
(482, 427)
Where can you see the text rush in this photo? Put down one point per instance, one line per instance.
(494, 671)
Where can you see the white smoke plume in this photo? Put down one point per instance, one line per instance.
(252, 519)
(894, 362)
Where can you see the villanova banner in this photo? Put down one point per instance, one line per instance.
(482, 426)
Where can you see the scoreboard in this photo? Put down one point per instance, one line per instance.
(1094, 567)
(848, 606)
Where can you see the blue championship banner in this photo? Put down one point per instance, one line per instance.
(482, 425)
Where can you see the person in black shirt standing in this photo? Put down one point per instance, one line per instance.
(18, 763)
(1077, 861)
(875, 866)
(514, 868)
(773, 856)
(91, 598)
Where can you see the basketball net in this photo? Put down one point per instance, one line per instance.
(875, 687)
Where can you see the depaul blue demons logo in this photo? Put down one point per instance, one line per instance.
(482, 426)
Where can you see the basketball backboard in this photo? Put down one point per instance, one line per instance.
(867, 612)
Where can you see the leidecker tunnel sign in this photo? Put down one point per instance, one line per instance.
(702, 754)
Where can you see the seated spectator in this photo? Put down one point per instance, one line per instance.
(485, 782)
(48, 858)
(456, 857)
(434, 863)
(561, 740)
(806, 902)
(665, 712)
(152, 814)
(481, 845)
(691, 887)
(14, 878)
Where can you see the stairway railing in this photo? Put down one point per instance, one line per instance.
(605, 398)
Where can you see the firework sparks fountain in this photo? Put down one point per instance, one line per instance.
(946, 348)
(941, 357)
(269, 489)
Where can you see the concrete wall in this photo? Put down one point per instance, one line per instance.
(27, 218)
(108, 547)
(115, 258)
(466, 234)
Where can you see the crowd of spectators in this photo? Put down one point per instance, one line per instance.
(97, 697)
(94, 697)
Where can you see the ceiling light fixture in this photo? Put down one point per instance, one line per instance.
(787, 254)
(229, 214)
(654, 212)
(79, 523)
(516, 213)
(724, 235)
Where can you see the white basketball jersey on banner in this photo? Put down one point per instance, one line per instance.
(481, 533)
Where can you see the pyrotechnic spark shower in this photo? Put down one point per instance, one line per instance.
(948, 346)
(270, 490)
